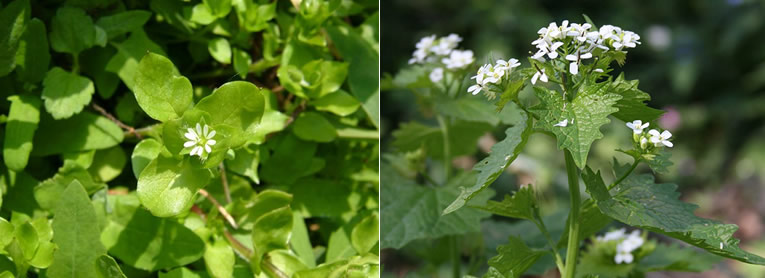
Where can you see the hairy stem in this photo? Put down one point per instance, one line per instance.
(447, 147)
(572, 250)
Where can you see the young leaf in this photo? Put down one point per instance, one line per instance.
(339, 246)
(26, 236)
(23, 118)
(339, 103)
(160, 90)
(220, 49)
(514, 258)
(241, 62)
(143, 153)
(167, 187)
(300, 242)
(107, 164)
(270, 232)
(502, 155)
(312, 126)
(50, 191)
(77, 234)
(33, 56)
(638, 201)
(584, 116)
(66, 93)
(107, 267)
(365, 235)
(72, 31)
(121, 23)
(13, 23)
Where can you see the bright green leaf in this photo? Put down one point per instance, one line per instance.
(339, 103)
(160, 90)
(76, 232)
(129, 53)
(167, 187)
(44, 256)
(219, 258)
(239, 104)
(108, 164)
(23, 118)
(339, 246)
(26, 235)
(66, 93)
(365, 235)
(107, 267)
(242, 62)
(143, 153)
(300, 242)
(220, 49)
(219, 8)
(270, 232)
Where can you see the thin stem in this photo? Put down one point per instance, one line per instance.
(224, 182)
(634, 165)
(119, 123)
(541, 225)
(447, 147)
(76, 63)
(572, 250)
(220, 208)
(358, 133)
(453, 243)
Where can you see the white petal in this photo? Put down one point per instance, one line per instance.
(189, 144)
(211, 135)
(191, 135)
(543, 78)
(211, 142)
(573, 68)
(587, 55)
(666, 134)
(667, 143)
(572, 58)
(208, 149)
(598, 70)
(206, 130)
(199, 129)
(534, 78)
(631, 125)
(654, 132)
(196, 150)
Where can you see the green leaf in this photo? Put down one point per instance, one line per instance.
(43, 258)
(324, 77)
(502, 154)
(201, 14)
(632, 106)
(305, 192)
(50, 191)
(220, 49)
(167, 187)
(312, 126)
(33, 56)
(470, 109)
(410, 212)
(219, 258)
(462, 137)
(26, 236)
(107, 267)
(66, 93)
(239, 104)
(272, 121)
(514, 258)
(659, 162)
(72, 31)
(361, 57)
(106, 82)
(339, 246)
(521, 205)
(219, 8)
(290, 161)
(674, 257)
(270, 232)
(143, 153)
(180, 272)
(6, 228)
(638, 201)
(84, 131)
(242, 62)
(266, 201)
(245, 163)
(76, 232)
(285, 261)
(13, 23)
(23, 118)
(585, 114)
(365, 235)
(300, 241)
(147, 242)
(339, 103)
(121, 23)
(108, 164)
(253, 16)
(129, 53)
(357, 266)
(160, 90)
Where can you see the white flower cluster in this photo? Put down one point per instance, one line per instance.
(201, 139)
(583, 40)
(654, 136)
(628, 243)
(430, 49)
(492, 74)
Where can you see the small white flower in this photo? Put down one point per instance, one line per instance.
(660, 139)
(563, 123)
(624, 249)
(458, 59)
(637, 126)
(475, 89)
(623, 257)
(200, 139)
(598, 70)
(446, 44)
(612, 235)
(507, 65)
(540, 75)
(437, 75)
(423, 47)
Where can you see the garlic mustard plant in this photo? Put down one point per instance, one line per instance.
(564, 89)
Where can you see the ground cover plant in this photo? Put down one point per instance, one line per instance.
(215, 138)
(571, 94)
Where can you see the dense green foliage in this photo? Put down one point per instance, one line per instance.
(215, 138)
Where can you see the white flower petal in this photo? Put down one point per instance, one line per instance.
(534, 78)
(191, 135)
(211, 135)
(211, 142)
(666, 134)
(571, 58)
(189, 144)
(206, 130)
(543, 77)
(573, 68)
(654, 132)
(208, 149)
(199, 130)
(667, 143)
(196, 150)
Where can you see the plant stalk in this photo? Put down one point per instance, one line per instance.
(447, 147)
(454, 244)
(572, 249)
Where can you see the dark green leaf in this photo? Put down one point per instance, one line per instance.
(312, 126)
(520, 205)
(129, 53)
(469, 109)
(13, 22)
(84, 131)
(514, 258)
(33, 56)
(121, 23)
(462, 138)
(290, 161)
(72, 31)
(632, 106)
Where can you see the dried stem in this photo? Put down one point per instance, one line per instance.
(111, 117)
(220, 208)
(224, 182)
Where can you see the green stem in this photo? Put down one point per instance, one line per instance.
(572, 250)
(447, 147)
(454, 244)
(76, 63)
(357, 133)
(634, 165)
(541, 225)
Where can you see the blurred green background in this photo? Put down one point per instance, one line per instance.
(702, 61)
